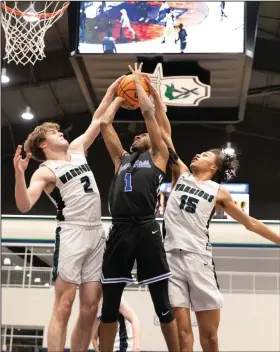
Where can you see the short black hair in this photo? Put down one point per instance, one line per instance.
(228, 166)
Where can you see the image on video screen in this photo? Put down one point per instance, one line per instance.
(161, 27)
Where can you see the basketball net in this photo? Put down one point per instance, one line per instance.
(25, 28)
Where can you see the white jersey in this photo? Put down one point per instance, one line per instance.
(169, 20)
(76, 195)
(125, 22)
(189, 210)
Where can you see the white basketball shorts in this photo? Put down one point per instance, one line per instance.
(194, 282)
(78, 253)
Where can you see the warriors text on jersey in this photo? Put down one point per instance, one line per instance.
(189, 210)
(135, 187)
(76, 195)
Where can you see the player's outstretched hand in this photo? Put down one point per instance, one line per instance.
(21, 164)
(114, 86)
(137, 72)
(153, 91)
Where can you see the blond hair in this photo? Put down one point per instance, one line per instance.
(36, 137)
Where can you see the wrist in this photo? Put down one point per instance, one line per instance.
(19, 175)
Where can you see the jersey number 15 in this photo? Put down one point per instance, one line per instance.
(188, 204)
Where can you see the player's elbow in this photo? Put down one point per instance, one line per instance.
(23, 208)
(251, 225)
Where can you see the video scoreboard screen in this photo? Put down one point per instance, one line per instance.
(159, 27)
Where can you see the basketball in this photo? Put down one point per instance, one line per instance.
(127, 90)
(126, 105)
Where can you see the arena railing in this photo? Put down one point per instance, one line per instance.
(42, 278)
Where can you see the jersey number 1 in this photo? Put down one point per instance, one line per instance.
(127, 179)
(85, 180)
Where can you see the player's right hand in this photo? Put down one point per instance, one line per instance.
(114, 86)
(21, 164)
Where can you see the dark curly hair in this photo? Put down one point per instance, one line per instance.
(227, 166)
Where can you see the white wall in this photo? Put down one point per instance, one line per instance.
(248, 322)
(36, 228)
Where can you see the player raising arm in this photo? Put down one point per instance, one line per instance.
(135, 234)
(68, 181)
(194, 199)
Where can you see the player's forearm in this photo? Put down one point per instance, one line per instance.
(264, 231)
(105, 103)
(22, 198)
(136, 334)
(161, 116)
(146, 105)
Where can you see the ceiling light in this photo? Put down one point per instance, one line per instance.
(7, 261)
(4, 77)
(17, 267)
(47, 284)
(28, 275)
(37, 279)
(229, 150)
(27, 115)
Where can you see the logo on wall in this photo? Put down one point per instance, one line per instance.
(179, 90)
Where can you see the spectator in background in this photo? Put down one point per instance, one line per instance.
(108, 44)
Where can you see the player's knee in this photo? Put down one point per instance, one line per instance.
(88, 310)
(109, 315)
(159, 293)
(209, 338)
(63, 310)
(185, 335)
(165, 316)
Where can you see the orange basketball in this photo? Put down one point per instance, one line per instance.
(126, 105)
(127, 90)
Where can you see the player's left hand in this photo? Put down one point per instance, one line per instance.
(153, 91)
(137, 72)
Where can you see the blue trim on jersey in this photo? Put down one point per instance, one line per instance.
(155, 279)
(116, 280)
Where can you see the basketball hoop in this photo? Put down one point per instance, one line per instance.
(25, 25)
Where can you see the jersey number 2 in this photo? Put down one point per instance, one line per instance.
(128, 186)
(85, 180)
(188, 204)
